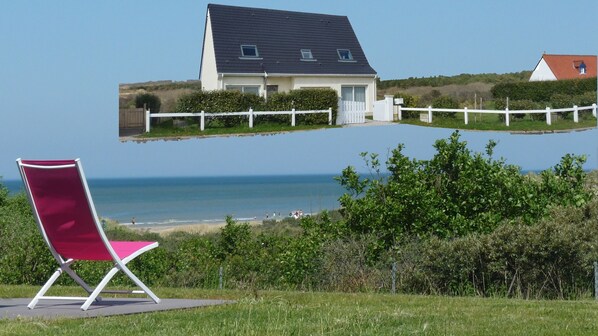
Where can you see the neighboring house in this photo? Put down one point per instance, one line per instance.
(264, 51)
(556, 67)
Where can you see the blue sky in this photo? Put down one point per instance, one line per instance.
(61, 63)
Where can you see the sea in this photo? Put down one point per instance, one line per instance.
(186, 200)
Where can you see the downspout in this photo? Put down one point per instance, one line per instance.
(265, 85)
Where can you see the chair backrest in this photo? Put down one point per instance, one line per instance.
(63, 208)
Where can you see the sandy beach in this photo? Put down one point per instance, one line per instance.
(199, 228)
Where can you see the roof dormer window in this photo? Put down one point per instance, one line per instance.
(582, 68)
(249, 51)
(306, 55)
(344, 55)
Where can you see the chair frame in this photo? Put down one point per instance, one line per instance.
(65, 264)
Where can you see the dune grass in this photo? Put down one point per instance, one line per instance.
(309, 313)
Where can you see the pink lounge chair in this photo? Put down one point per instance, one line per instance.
(67, 219)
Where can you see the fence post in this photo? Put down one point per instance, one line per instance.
(147, 121)
(596, 280)
(575, 114)
(202, 121)
(465, 115)
(330, 116)
(548, 119)
(594, 110)
(430, 114)
(220, 277)
(293, 117)
(250, 117)
(507, 116)
(400, 113)
(394, 277)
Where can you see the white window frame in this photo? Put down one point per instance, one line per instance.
(348, 53)
(307, 52)
(257, 54)
(244, 88)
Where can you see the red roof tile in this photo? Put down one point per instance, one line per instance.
(567, 66)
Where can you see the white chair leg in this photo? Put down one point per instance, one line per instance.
(141, 285)
(99, 288)
(44, 289)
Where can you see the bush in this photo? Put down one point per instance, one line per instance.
(454, 194)
(409, 101)
(446, 102)
(235, 101)
(544, 90)
(150, 101)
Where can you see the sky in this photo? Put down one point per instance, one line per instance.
(61, 63)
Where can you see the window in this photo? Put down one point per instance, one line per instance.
(344, 55)
(353, 93)
(582, 68)
(249, 51)
(306, 55)
(271, 88)
(255, 89)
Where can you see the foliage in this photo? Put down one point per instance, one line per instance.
(454, 194)
(542, 91)
(446, 102)
(409, 101)
(235, 101)
(461, 79)
(148, 100)
(552, 259)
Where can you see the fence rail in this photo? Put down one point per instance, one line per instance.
(548, 111)
(251, 113)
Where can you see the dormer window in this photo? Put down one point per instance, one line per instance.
(249, 51)
(582, 68)
(306, 55)
(344, 55)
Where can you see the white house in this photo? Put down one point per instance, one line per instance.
(263, 51)
(557, 67)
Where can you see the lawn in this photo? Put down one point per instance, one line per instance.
(166, 129)
(309, 313)
(491, 122)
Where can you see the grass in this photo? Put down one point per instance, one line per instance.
(491, 122)
(166, 129)
(308, 313)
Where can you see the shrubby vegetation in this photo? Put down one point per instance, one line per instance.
(462, 79)
(235, 101)
(461, 223)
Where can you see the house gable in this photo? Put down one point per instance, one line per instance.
(281, 39)
(557, 67)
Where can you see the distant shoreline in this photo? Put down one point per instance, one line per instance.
(196, 228)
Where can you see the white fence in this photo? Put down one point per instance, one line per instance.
(351, 112)
(251, 113)
(548, 112)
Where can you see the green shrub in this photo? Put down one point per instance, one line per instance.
(446, 102)
(542, 91)
(409, 101)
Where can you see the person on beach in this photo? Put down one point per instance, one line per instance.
(133, 221)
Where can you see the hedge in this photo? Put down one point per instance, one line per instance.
(544, 90)
(235, 101)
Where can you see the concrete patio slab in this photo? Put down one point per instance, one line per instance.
(17, 308)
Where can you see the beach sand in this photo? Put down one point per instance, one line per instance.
(198, 228)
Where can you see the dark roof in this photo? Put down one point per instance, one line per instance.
(279, 37)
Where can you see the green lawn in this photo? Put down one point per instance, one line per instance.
(308, 313)
(491, 122)
(167, 129)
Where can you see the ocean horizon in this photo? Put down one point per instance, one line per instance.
(187, 200)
